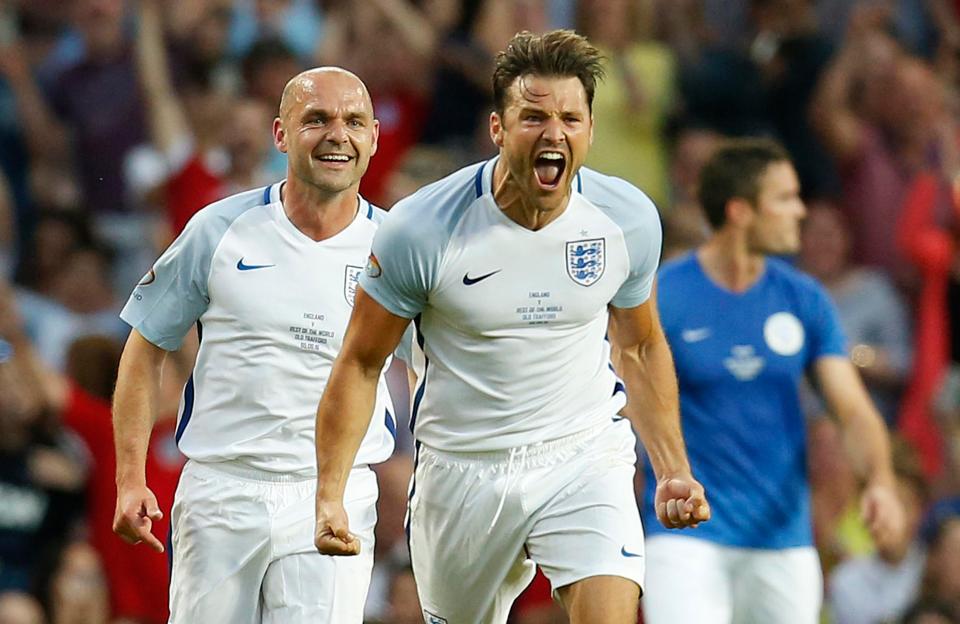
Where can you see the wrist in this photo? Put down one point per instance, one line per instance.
(881, 478)
(130, 478)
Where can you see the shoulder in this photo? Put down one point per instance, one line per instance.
(623, 202)
(215, 219)
(433, 212)
(677, 267)
(788, 276)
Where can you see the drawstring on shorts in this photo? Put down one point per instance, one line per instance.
(512, 469)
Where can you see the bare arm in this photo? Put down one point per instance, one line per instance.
(46, 137)
(831, 111)
(344, 414)
(646, 366)
(134, 412)
(867, 444)
(415, 29)
(165, 114)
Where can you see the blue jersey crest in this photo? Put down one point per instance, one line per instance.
(585, 260)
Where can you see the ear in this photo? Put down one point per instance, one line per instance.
(279, 135)
(376, 136)
(496, 129)
(591, 129)
(740, 212)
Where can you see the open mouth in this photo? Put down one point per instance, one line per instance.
(549, 167)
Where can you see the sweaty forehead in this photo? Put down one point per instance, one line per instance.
(566, 92)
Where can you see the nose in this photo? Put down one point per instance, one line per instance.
(553, 131)
(337, 132)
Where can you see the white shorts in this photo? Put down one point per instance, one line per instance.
(568, 506)
(691, 579)
(243, 553)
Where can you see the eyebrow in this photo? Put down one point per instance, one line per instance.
(316, 111)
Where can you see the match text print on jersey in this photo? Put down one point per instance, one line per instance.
(470, 281)
(250, 267)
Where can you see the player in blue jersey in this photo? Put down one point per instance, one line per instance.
(514, 269)
(269, 278)
(744, 328)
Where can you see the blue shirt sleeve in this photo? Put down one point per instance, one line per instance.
(827, 337)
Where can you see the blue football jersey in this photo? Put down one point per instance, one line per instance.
(739, 359)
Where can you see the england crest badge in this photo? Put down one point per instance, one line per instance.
(351, 277)
(585, 260)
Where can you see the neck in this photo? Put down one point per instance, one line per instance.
(318, 214)
(518, 205)
(728, 261)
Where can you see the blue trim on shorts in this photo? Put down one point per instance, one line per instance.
(188, 396)
(415, 409)
(413, 490)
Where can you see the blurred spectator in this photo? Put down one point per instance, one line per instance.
(720, 87)
(14, 157)
(930, 246)
(96, 103)
(203, 156)
(791, 54)
(871, 589)
(298, 23)
(357, 33)
(138, 577)
(684, 224)
(267, 68)
(420, 166)
(912, 21)
(462, 93)
(941, 580)
(68, 294)
(41, 474)
(872, 313)
(929, 613)
(882, 116)
(20, 608)
(390, 554)
(78, 592)
(635, 98)
(8, 234)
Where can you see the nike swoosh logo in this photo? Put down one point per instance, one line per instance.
(470, 281)
(626, 553)
(250, 267)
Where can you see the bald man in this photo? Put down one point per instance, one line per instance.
(269, 277)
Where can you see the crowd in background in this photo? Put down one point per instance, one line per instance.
(120, 119)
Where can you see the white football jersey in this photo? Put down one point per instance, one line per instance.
(511, 323)
(271, 306)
